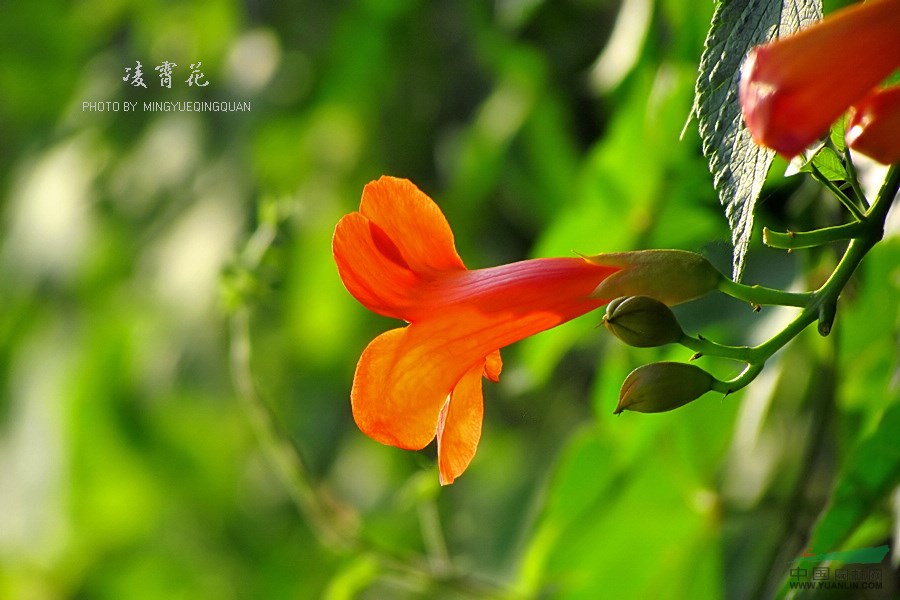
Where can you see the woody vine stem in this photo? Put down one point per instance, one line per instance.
(864, 232)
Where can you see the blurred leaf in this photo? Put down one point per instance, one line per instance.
(868, 322)
(43, 50)
(597, 509)
(479, 153)
(872, 471)
(738, 165)
(352, 579)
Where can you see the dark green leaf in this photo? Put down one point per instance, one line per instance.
(738, 165)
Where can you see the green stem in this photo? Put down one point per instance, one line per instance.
(433, 537)
(749, 373)
(822, 302)
(761, 353)
(329, 528)
(853, 179)
(878, 212)
(809, 239)
(844, 198)
(704, 347)
(333, 528)
(757, 294)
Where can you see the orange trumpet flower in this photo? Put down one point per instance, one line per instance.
(794, 88)
(396, 255)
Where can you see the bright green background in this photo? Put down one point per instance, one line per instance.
(128, 466)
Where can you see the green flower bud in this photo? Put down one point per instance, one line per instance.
(670, 276)
(642, 321)
(663, 386)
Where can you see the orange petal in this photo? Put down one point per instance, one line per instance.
(874, 126)
(399, 388)
(493, 364)
(369, 266)
(413, 222)
(459, 426)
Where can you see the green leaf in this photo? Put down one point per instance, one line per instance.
(738, 165)
(837, 134)
(353, 579)
(830, 164)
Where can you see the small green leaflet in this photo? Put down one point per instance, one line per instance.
(838, 130)
(738, 165)
(830, 164)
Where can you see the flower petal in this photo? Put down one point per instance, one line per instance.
(394, 246)
(367, 263)
(487, 309)
(399, 388)
(459, 426)
(493, 364)
(874, 125)
(413, 222)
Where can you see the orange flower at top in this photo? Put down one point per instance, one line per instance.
(397, 257)
(794, 88)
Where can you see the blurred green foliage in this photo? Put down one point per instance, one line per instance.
(129, 467)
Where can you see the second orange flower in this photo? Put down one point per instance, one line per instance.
(794, 88)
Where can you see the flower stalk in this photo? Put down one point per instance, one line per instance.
(760, 295)
(818, 306)
(793, 240)
(844, 199)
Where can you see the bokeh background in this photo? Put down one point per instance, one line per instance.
(176, 348)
